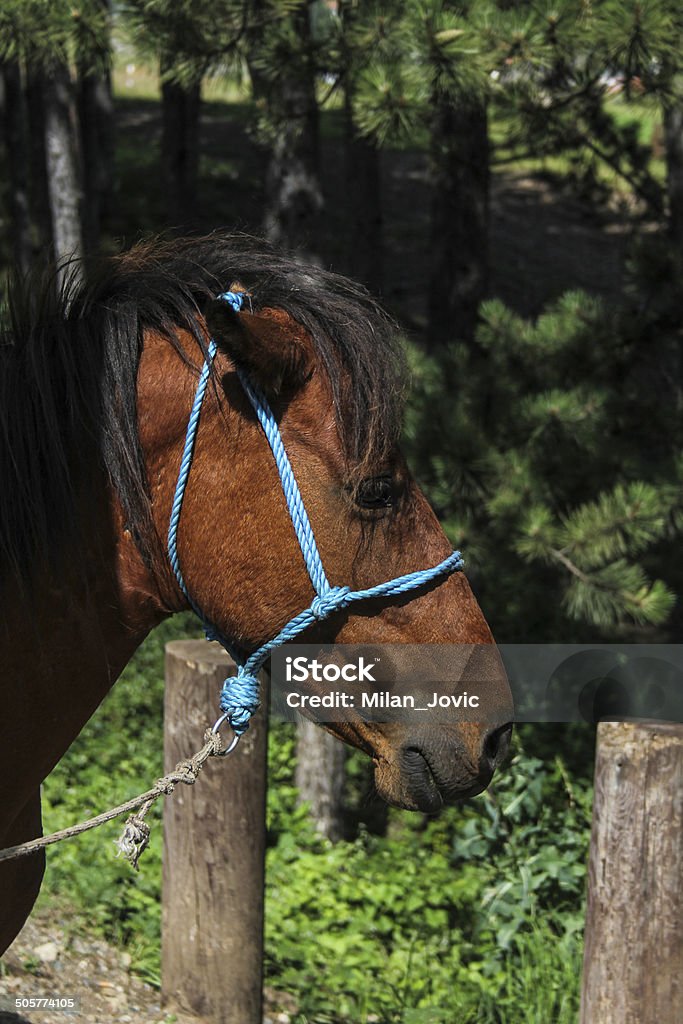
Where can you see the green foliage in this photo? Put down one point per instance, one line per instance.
(594, 542)
(549, 71)
(57, 31)
(298, 45)
(473, 916)
(419, 53)
(194, 37)
(559, 481)
(642, 39)
(559, 66)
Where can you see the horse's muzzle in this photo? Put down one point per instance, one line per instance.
(431, 773)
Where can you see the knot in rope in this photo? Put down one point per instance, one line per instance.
(334, 599)
(240, 699)
(235, 299)
(185, 771)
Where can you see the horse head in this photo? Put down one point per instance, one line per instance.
(327, 361)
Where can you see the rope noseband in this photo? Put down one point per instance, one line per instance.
(240, 693)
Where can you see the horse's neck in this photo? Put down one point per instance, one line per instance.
(61, 652)
(59, 656)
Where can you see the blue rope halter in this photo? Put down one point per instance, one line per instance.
(240, 693)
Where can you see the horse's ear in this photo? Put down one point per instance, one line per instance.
(271, 346)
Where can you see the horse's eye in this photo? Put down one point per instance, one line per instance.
(376, 492)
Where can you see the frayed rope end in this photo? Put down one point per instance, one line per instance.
(134, 840)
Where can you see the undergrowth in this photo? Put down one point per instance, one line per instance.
(472, 916)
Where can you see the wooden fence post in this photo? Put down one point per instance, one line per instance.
(214, 847)
(633, 960)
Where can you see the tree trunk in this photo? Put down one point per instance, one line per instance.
(293, 194)
(62, 168)
(364, 256)
(633, 961)
(181, 108)
(459, 220)
(320, 762)
(673, 140)
(16, 144)
(92, 159)
(106, 124)
(39, 194)
(96, 120)
(364, 192)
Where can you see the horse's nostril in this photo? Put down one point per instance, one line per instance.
(496, 746)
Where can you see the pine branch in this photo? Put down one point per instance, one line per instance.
(562, 558)
(570, 98)
(650, 199)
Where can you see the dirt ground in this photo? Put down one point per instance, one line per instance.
(44, 962)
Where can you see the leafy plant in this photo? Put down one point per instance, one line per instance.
(463, 917)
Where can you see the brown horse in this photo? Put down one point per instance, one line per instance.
(95, 389)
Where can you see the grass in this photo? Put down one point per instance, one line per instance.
(133, 79)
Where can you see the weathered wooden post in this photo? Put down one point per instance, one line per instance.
(633, 961)
(214, 847)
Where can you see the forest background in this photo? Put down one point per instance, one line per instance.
(508, 177)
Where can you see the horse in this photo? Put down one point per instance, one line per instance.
(97, 379)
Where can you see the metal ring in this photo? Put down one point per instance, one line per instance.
(233, 742)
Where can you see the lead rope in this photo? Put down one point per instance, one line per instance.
(239, 697)
(134, 838)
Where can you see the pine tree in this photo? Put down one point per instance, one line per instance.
(320, 761)
(191, 39)
(645, 42)
(44, 41)
(284, 64)
(180, 144)
(555, 462)
(361, 34)
(63, 177)
(94, 104)
(561, 68)
(17, 145)
(41, 219)
(432, 67)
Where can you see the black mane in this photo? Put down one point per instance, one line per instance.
(69, 361)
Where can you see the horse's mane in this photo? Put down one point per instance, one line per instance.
(68, 373)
